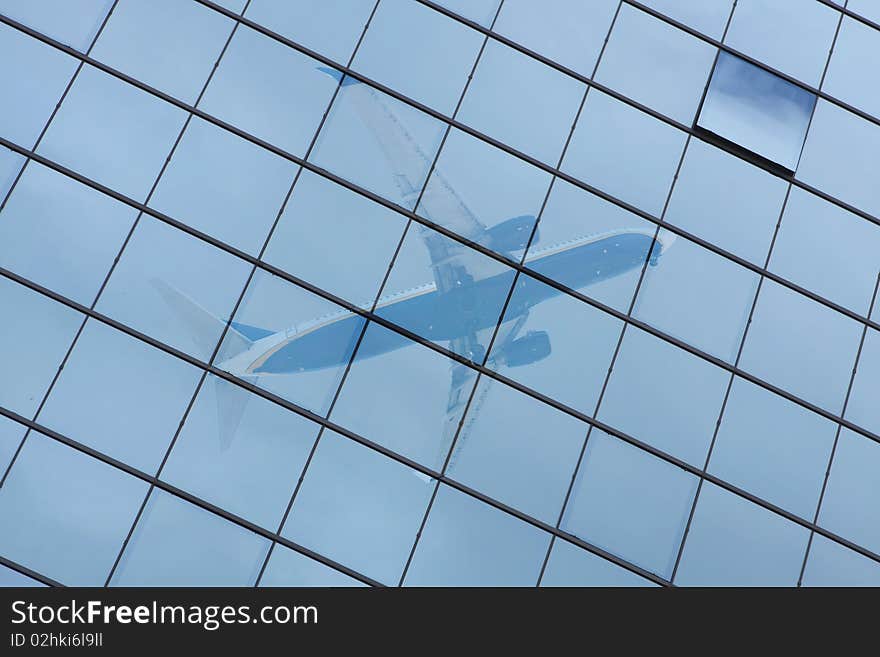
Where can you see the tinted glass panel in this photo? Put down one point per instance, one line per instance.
(656, 64)
(240, 452)
(664, 396)
(61, 234)
(11, 434)
(283, 104)
(331, 27)
(480, 11)
(733, 542)
(287, 567)
(169, 45)
(850, 76)
(792, 36)
(698, 296)
(112, 132)
(567, 31)
(325, 225)
(440, 53)
(536, 123)
(815, 231)
(708, 201)
(707, 16)
(224, 186)
(178, 544)
(517, 450)
(120, 396)
(850, 507)
(862, 406)
(570, 565)
(174, 287)
(32, 346)
(10, 164)
(630, 503)
(781, 346)
(359, 508)
(74, 24)
(831, 564)
(32, 90)
(773, 448)
(635, 162)
(10, 578)
(467, 542)
(757, 110)
(56, 496)
(839, 157)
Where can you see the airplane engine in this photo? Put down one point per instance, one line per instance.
(530, 348)
(512, 234)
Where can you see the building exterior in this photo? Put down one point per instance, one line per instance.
(410, 292)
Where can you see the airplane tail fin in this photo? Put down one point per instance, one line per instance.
(203, 326)
(231, 404)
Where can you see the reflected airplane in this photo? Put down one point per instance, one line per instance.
(447, 309)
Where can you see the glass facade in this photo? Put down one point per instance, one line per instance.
(420, 293)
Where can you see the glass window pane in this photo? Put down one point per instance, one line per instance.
(630, 503)
(66, 514)
(569, 32)
(440, 53)
(850, 76)
(112, 132)
(283, 104)
(167, 44)
(290, 342)
(10, 164)
(840, 156)
(792, 36)
(479, 11)
(378, 143)
(707, 16)
(33, 341)
(32, 89)
(468, 543)
(287, 567)
(570, 565)
(61, 234)
(831, 564)
(656, 64)
(445, 292)
(555, 344)
(814, 231)
(866, 8)
(664, 396)
(178, 544)
(697, 296)
(74, 24)
(323, 219)
(773, 448)
(224, 186)
(536, 122)
(240, 452)
(635, 162)
(404, 396)
(517, 450)
(782, 347)
(484, 194)
(120, 396)
(757, 110)
(11, 434)
(359, 508)
(174, 287)
(331, 27)
(862, 407)
(591, 245)
(733, 542)
(12, 578)
(850, 506)
(708, 201)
